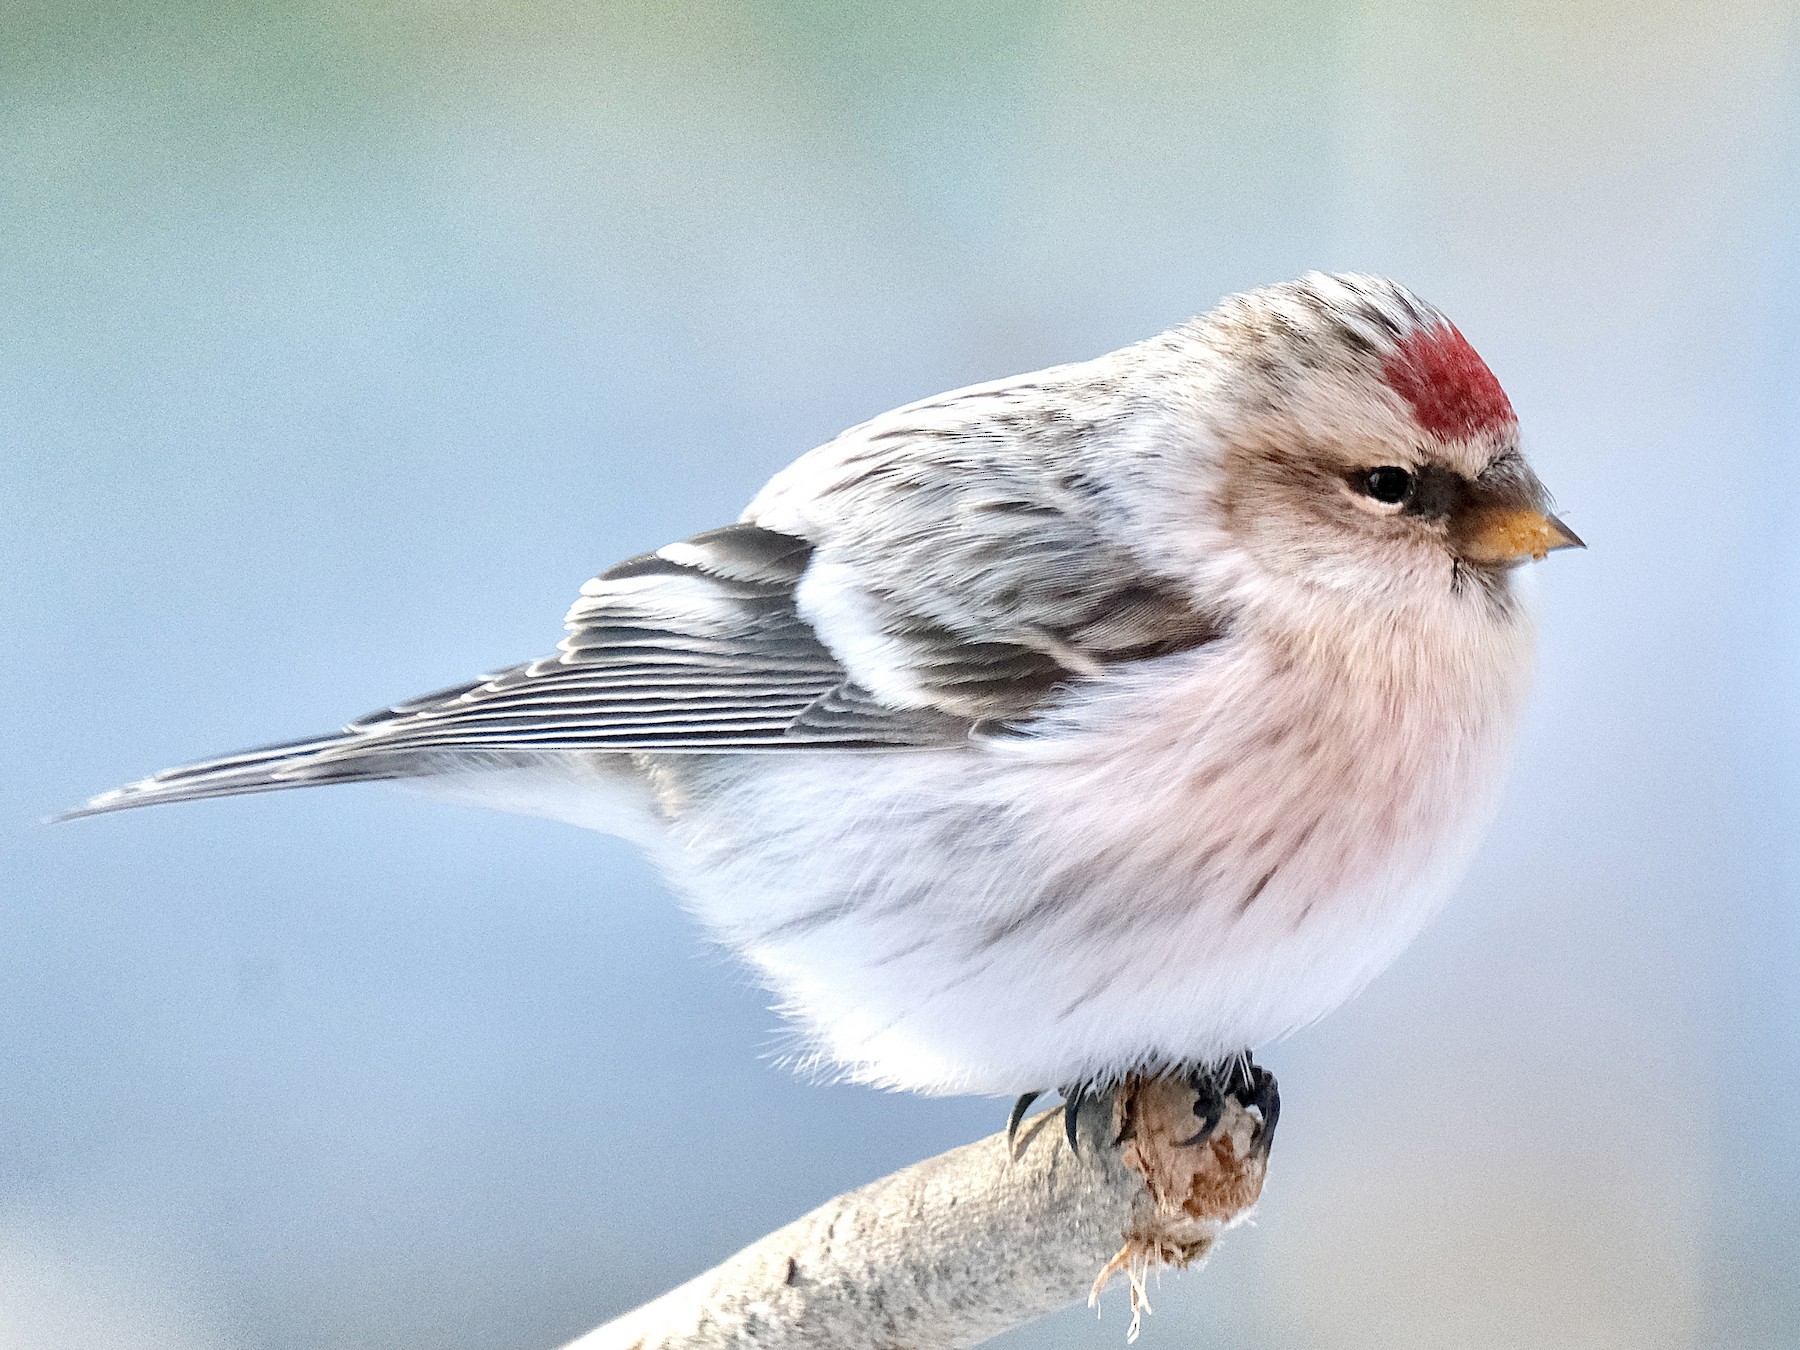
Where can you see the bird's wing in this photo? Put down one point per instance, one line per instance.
(695, 647)
(934, 582)
(970, 550)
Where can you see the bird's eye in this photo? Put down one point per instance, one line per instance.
(1389, 484)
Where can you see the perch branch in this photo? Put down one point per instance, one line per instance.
(958, 1248)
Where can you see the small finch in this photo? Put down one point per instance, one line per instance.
(1121, 717)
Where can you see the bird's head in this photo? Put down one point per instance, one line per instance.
(1359, 443)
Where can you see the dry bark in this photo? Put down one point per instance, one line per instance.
(963, 1246)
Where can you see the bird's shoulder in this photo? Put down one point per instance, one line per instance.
(969, 552)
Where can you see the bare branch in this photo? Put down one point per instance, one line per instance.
(961, 1247)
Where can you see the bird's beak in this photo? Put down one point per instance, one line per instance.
(1512, 534)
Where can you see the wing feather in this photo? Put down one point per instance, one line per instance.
(945, 566)
(698, 647)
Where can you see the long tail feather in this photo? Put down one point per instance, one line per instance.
(269, 768)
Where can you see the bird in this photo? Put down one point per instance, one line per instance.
(1124, 717)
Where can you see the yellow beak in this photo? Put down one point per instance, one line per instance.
(1512, 534)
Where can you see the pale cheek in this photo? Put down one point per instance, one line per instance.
(1312, 532)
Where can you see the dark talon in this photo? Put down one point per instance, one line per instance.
(1210, 1113)
(1247, 1081)
(1243, 1078)
(1265, 1095)
(1073, 1099)
(1015, 1117)
(1209, 1104)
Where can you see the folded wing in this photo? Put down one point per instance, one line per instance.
(938, 569)
(697, 647)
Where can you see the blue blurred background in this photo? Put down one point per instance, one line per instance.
(342, 341)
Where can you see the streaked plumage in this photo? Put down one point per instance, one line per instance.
(1102, 718)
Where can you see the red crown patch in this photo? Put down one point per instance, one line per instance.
(1449, 388)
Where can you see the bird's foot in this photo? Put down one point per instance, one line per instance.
(1252, 1086)
(1239, 1078)
(1078, 1098)
(1015, 1118)
(1074, 1099)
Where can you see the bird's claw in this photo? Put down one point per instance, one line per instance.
(1244, 1080)
(1239, 1078)
(1073, 1099)
(1015, 1118)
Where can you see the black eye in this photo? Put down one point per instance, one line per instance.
(1388, 484)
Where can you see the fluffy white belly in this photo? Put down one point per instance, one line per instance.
(1199, 862)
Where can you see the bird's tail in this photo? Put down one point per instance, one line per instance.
(268, 768)
(355, 754)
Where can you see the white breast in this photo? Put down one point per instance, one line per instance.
(1211, 853)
